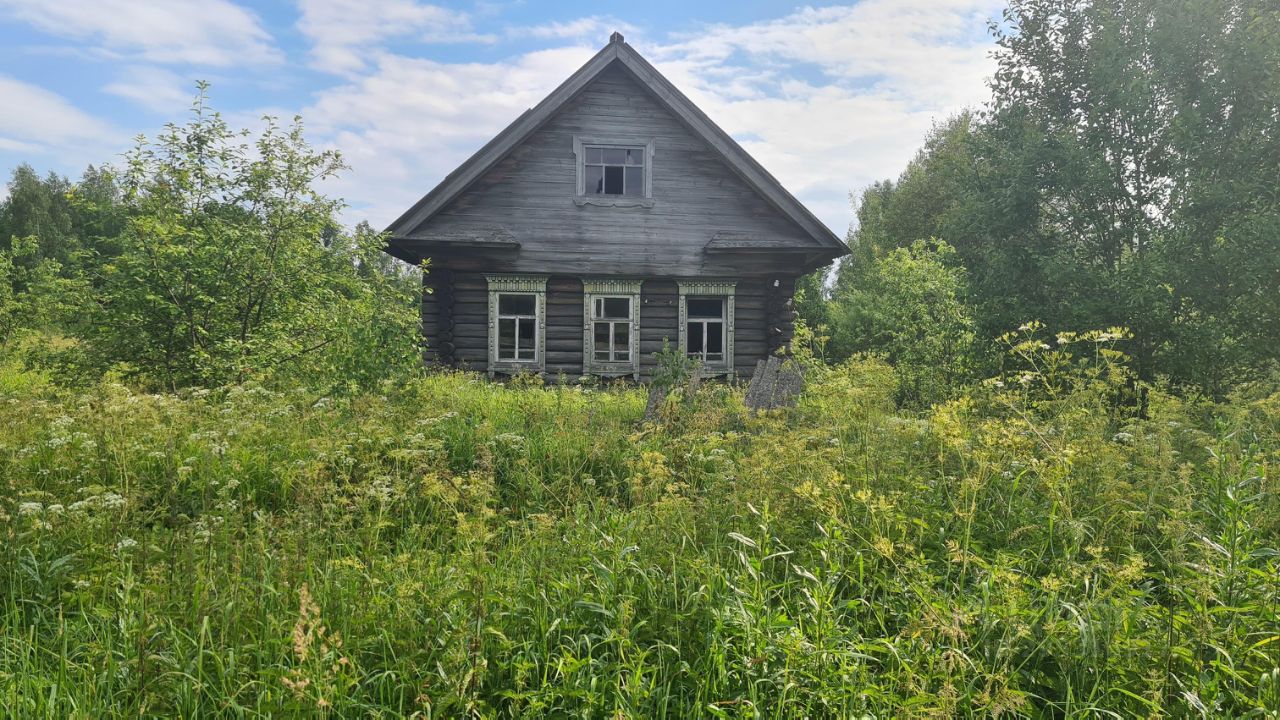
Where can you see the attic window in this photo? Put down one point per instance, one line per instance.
(614, 171)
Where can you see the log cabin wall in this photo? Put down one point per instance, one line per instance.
(456, 322)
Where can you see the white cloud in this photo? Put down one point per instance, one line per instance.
(410, 122)
(879, 74)
(154, 88)
(202, 32)
(344, 33)
(595, 29)
(33, 119)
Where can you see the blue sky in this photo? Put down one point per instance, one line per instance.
(828, 96)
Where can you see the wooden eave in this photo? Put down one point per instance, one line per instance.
(406, 244)
(735, 242)
(411, 248)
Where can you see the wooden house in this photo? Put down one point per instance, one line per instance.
(612, 216)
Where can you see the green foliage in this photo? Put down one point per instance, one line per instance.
(1039, 546)
(222, 274)
(908, 305)
(34, 293)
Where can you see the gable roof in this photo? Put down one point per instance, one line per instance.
(619, 52)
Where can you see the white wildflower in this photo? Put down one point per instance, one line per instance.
(30, 508)
(126, 544)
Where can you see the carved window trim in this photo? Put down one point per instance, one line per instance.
(535, 285)
(603, 288)
(581, 142)
(704, 288)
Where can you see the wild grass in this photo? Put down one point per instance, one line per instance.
(1048, 545)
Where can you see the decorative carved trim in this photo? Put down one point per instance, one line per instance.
(532, 284)
(517, 283)
(614, 201)
(610, 287)
(709, 287)
(706, 287)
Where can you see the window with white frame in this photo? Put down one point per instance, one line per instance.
(706, 324)
(517, 319)
(614, 171)
(611, 310)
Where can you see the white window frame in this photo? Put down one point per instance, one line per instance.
(700, 288)
(535, 285)
(610, 288)
(581, 143)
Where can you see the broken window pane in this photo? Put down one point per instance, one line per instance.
(612, 180)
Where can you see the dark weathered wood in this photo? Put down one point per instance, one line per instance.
(774, 384)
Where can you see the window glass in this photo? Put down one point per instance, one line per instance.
(614, 307)
(694, 338)
(705, 307)
(602, 336)
(635, 156)
(715, 337)
(516, 304)
(633, 181)
(595, 155)
(621, 335)
(614, 156)
(506, 339)
(595, 180)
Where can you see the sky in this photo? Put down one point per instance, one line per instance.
(829, 97)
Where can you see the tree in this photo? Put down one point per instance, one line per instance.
(1123, 174)
(910, 307)
(1149, 131)
(223, 273)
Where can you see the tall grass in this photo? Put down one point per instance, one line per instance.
(454, 548)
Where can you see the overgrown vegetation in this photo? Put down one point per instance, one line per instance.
(457, 548)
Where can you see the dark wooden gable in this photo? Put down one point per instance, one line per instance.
(714, 211)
